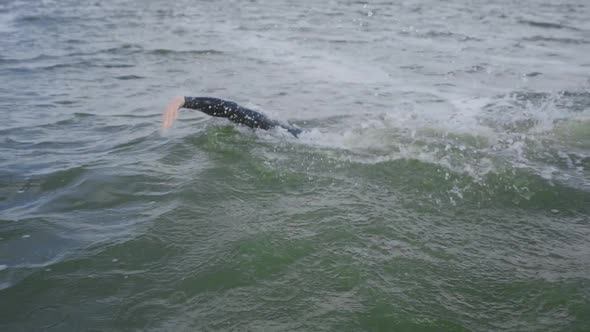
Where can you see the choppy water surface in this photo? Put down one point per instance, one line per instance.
(443, 182)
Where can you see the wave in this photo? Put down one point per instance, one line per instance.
(438, 34)
(39, 57)
(164, 51)
(545, 25)
(558, 40)
(131, 49)
(129, 77)
(542, 134)
(450, 169)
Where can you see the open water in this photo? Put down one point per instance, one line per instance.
(442, 184)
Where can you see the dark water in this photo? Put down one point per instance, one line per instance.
(443, 183)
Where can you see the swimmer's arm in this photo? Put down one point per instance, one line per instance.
(171, 111)
(210, 106)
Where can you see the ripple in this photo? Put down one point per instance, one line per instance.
(122, 65)
(558, 40)
(545, 25)
(129, 77)
(163, 51)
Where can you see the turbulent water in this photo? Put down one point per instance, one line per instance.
(442, 182)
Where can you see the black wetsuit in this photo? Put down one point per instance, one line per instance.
(236, 113)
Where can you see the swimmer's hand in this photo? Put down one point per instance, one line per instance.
(171, 112)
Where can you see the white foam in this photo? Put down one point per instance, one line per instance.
(469, 133)
(457, 137)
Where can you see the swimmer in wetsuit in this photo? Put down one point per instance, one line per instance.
(225, 109)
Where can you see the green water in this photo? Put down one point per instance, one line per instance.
(233, 238)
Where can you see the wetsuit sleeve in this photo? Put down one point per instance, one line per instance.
(227, 109)
(235, 113)
(211, 106)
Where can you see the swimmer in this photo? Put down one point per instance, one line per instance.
(224, 109)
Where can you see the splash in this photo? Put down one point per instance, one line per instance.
(541, 133)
